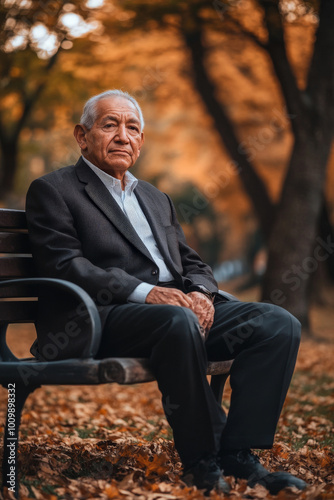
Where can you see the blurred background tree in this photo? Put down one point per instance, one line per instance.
(200, 222)
(235, 93)
(33, 33)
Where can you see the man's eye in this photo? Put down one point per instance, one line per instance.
(134, 128)
(109, 125)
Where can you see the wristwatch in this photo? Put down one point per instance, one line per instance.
(202, 289)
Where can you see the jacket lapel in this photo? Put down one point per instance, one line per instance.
(100, 195)
(152, 214)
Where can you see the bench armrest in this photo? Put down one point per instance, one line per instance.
(78, 293)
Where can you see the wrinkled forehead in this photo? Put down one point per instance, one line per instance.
(116, 105)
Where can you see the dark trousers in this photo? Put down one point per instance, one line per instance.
(262, 338)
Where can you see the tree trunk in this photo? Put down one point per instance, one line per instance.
(326, 230)
(9, 141)
(9, 163)
(294, 251)
(292, 254)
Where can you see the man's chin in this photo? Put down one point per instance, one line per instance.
(121, 162)
(115, 168)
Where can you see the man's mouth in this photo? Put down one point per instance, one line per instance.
(120, 151)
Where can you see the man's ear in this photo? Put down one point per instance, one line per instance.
(80, 136)
(142, 142)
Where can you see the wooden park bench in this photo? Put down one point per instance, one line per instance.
(19, 287)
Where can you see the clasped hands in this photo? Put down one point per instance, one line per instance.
(198, 302)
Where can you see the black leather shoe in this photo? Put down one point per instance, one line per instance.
(206, 475)
(244, 465)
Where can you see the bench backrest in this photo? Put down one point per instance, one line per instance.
(18, 303)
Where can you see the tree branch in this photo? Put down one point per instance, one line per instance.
(277, 52)
(30, 100)
(249, 34)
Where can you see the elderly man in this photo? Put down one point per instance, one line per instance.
(96, 225)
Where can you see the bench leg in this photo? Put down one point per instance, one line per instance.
(217, 385)
(17, 395)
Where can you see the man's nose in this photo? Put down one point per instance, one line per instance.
(121, 134)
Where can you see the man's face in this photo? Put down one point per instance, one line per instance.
(114, 141)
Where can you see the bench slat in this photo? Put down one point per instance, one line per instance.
(12, 219)
(18, 291)
(68, 372)
(23, 311)
(126, 370)
(14, 243)
(87, 371)
(137, 370)
(16, 267)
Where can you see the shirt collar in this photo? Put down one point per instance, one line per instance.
(111, 182)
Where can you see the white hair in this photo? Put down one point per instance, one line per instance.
(88, 116)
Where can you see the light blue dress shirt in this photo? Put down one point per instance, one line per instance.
(127, 201)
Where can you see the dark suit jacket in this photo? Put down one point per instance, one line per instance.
(78, 233)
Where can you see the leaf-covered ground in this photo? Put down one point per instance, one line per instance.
(114, 442)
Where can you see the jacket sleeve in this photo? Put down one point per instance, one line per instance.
(57, 251)
(195, 271)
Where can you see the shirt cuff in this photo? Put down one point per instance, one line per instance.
(140, 293)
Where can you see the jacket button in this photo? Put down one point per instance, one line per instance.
(154, 272)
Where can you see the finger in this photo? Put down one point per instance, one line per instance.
(204, 308)
(186, 301)
(172, 296)
(202, 319)
(206, 323)
(208, 319)
(210, 323)
(179, 297)
(202, 298)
